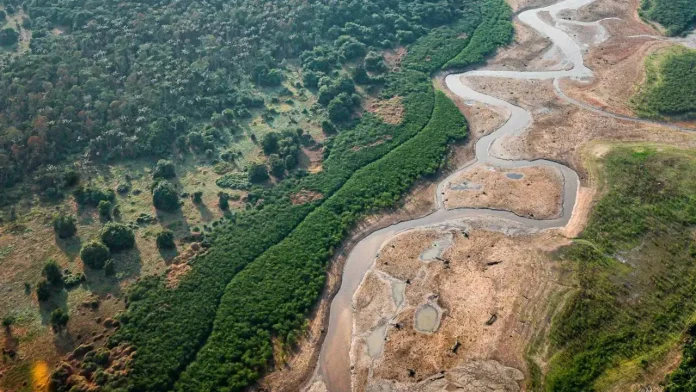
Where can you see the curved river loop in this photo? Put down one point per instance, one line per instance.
(334, 365)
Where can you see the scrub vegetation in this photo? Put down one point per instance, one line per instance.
(635, 266)
(669, 89)
(677, 16)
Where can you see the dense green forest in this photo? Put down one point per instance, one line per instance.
(108, 81)
(669, 88)
(677, 16)
(636, 270)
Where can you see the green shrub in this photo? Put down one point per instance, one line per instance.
(669, 88)
(164, 170)
(117, 236)
(646, 215)
(64, 225)
(91, 195)
(53, 273)
(104, 208)
(165, 239)
(94, 254)
(59, 320)
(165, 196)
(109, 268)
(257, 172)
(677, 16)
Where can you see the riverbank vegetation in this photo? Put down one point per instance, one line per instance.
(676, 16)
(669, 89)
(635, 271)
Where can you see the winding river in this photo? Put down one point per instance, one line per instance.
(334, 359)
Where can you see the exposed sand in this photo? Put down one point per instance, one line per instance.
(481, 275)
(537, 194)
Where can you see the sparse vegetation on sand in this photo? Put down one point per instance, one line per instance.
(635, 266)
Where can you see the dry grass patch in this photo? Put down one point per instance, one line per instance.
(391, 111)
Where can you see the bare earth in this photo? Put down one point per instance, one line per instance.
(490, 187)
(489, 286)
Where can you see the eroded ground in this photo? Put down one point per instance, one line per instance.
(535, 192)
(488, 284)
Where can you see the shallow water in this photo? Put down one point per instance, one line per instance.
(515, 176)
(398, 291)
(375, 341)
(439, 247)
(467, 186)
(426, 319)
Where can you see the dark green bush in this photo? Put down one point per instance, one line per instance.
(165, 196)
(64, 225)
(53, 273)
(117, 236)
(43, 290)
(257, 172)
(165, 239)
(92, 195)
(165, 169)
(94, 254)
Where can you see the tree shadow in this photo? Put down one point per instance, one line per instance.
(69, 246)
(168, 255)
(174, 221)
(58, 299)
(127, 264)
(64, 341)
(11, 342)
(205, 212)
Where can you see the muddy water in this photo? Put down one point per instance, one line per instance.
(334, 362)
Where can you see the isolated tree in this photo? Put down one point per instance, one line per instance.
(197, 197)
(164, 169)
(59, 320)
(165, 239)
(52, 272)
(7, 321)
(165, 197)
(117, 236)
(257, 173)
(223, 201)
(94, 254)
(64, 225)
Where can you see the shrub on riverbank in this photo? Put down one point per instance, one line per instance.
(669, 88)
(636, 269)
